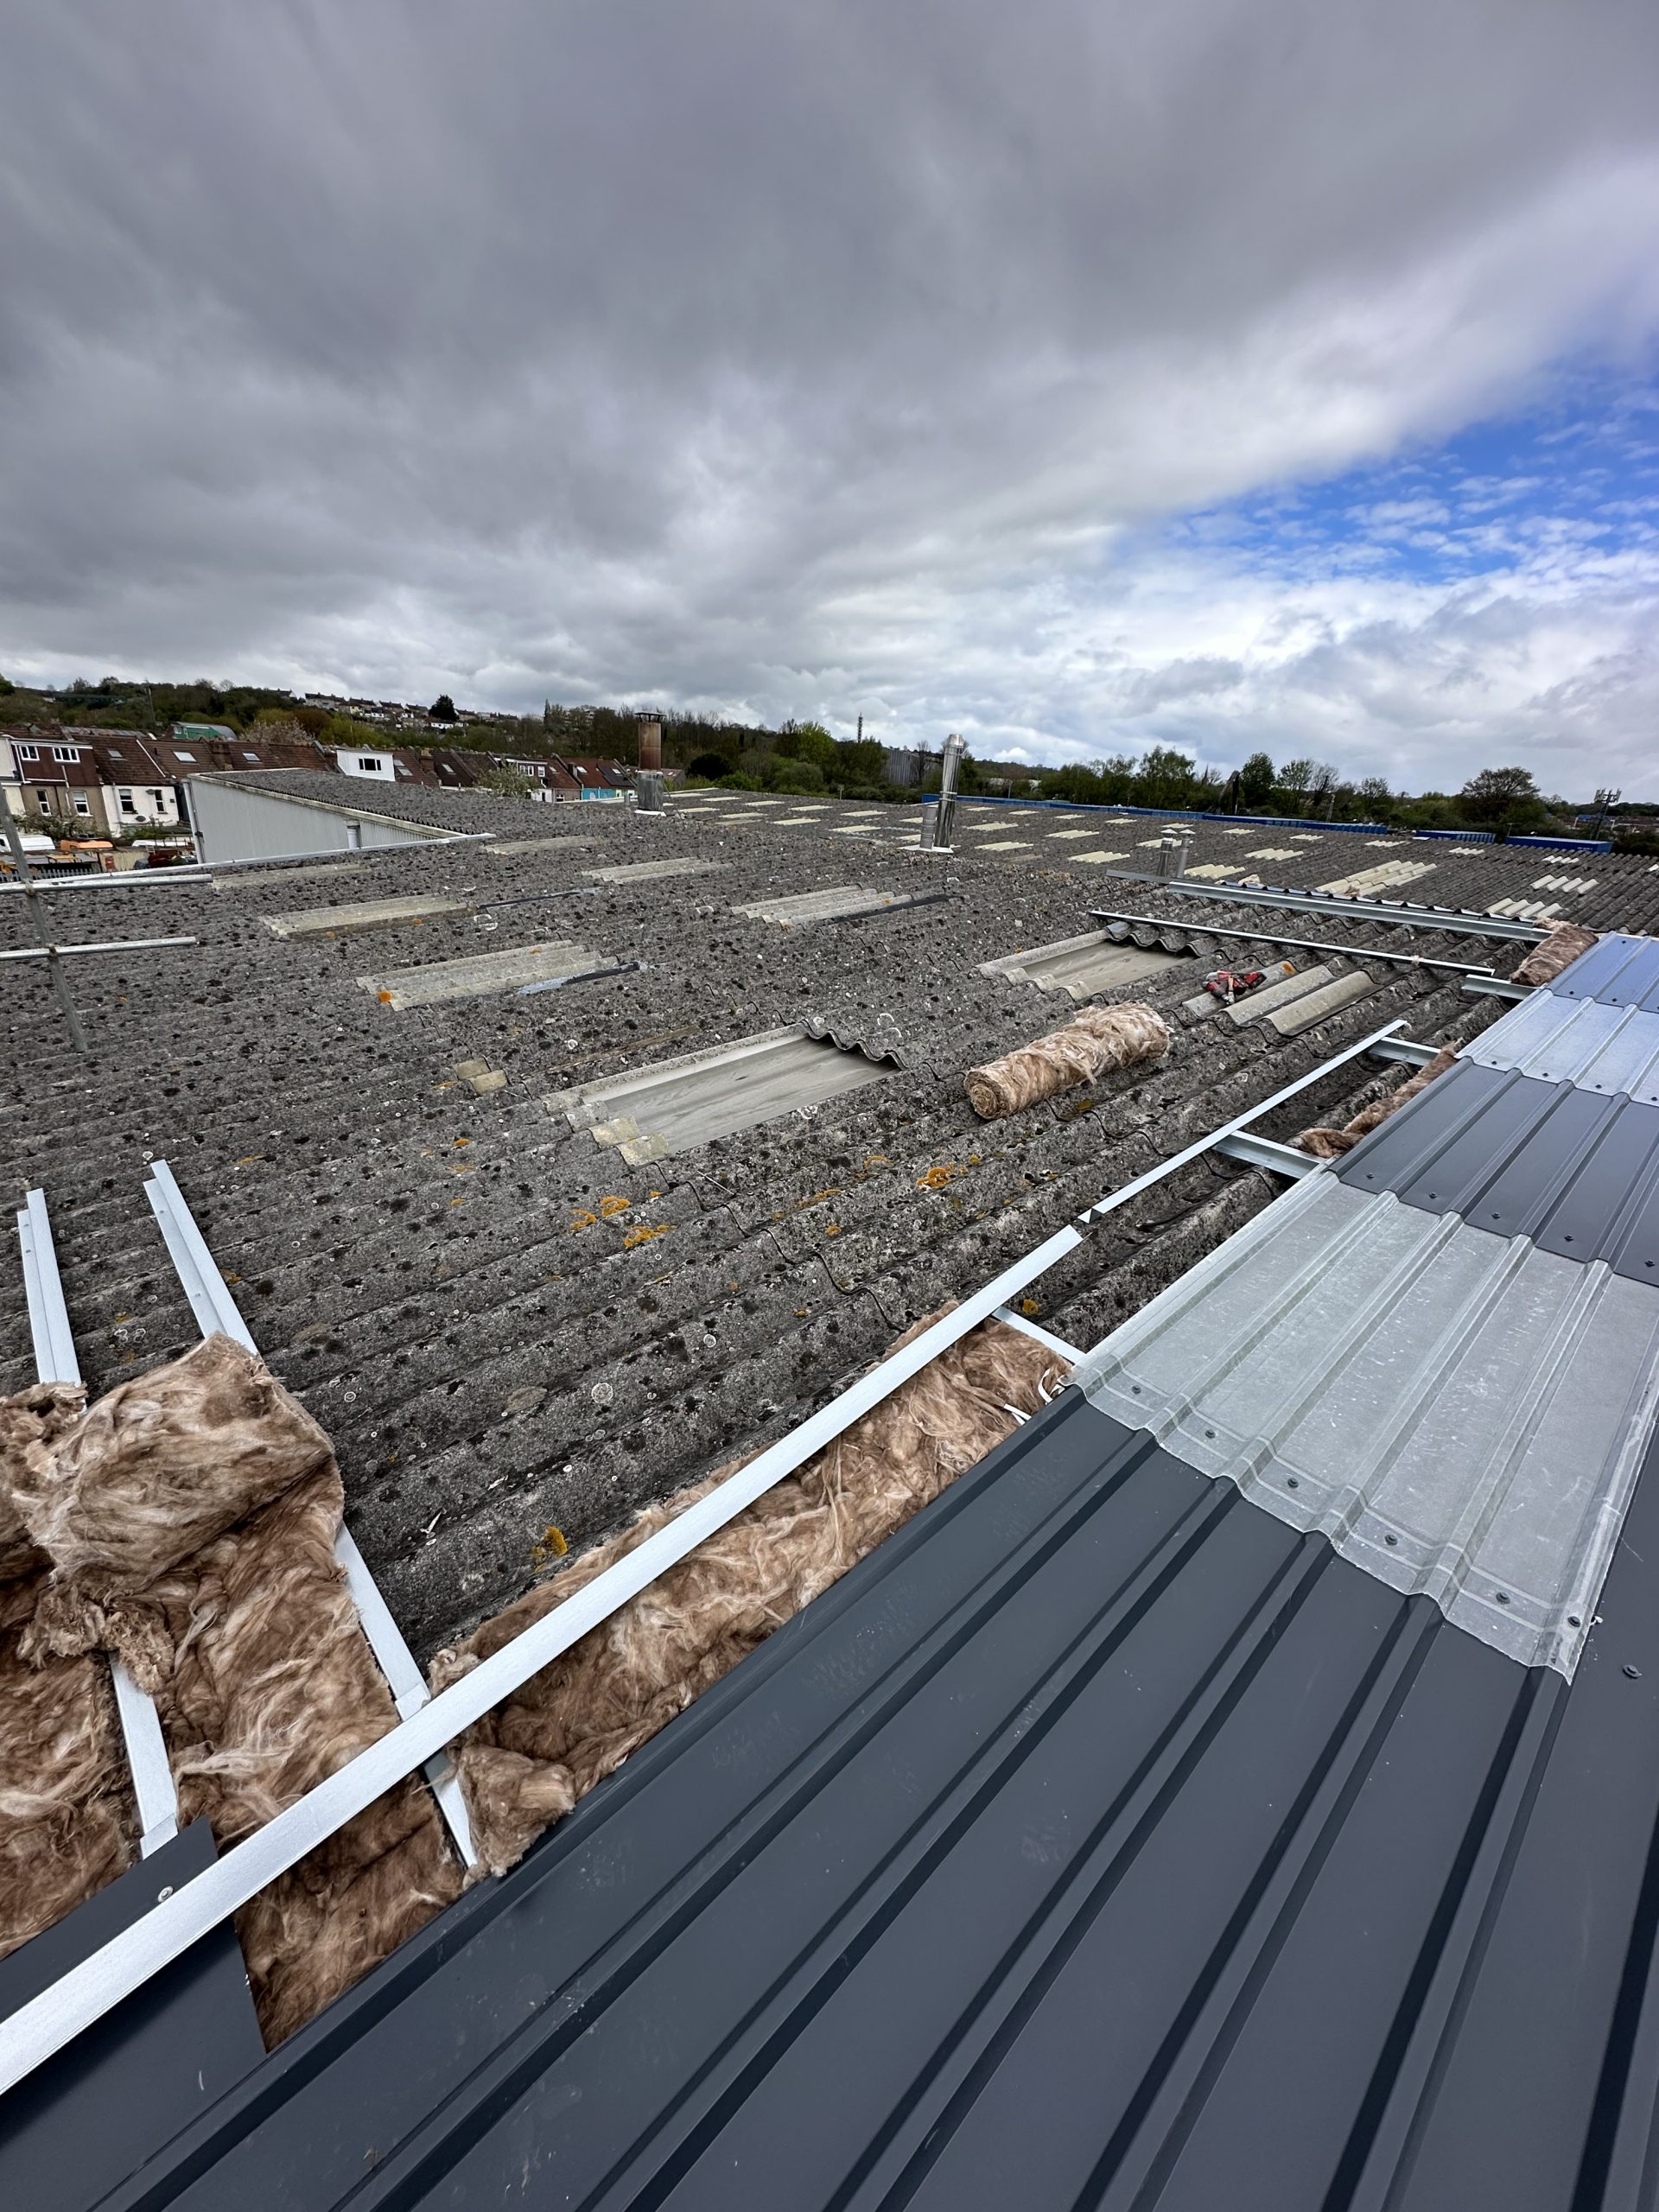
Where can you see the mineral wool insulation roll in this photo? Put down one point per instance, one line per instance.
(1101, 1037)
(1560, 950)
(185, 1524)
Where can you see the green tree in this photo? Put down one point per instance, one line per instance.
(442, 709)
(864, 761)
(808, 741)
(784, 772)
(1255, 781)
(1295, 781)
(1165, 777)
(1505, 798)
(507, 783)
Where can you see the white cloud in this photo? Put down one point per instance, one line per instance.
(831, 360)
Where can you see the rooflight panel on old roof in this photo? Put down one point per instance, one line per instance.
(674, 1106)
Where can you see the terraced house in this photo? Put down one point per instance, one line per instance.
(743, 1618)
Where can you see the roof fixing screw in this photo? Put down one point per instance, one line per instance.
(1634, 1674)
(162, 1896)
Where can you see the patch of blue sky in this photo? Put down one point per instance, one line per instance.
(1573, 484)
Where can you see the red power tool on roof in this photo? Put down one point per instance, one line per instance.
(1226, 983)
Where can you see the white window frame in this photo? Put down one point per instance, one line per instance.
(67, 753)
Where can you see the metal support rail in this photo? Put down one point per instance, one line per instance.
(118, 945)
(1263, 1152)
(154, 1794)
(1495, 987)
(1197, 1150)
(1456, 921)
(128, 879)
(91, 1989)
(211, 1301)
(1301, 944)
(1027, 1327)
(1406, 1049)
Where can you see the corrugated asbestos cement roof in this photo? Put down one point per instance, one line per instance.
(1105, 1838)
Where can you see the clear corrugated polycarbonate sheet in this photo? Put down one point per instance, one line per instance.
(1460, 1413)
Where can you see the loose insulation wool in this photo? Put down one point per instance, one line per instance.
(190, 1518)
(161, 1464)
(1330, 1144)
(526, 1764)
(66, 1819)
(1101, 1037)
(35, 1420)
(1560, 950)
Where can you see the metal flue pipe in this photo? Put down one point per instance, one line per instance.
(944, 821)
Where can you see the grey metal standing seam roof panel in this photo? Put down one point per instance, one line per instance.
(1575, 1171)
(78, 2126)
(1559, 1039)
(1618, 970)
(1099, 1841)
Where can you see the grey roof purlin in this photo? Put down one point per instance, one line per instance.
(1240, 1789)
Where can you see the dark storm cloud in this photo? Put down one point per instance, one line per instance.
(787, 358)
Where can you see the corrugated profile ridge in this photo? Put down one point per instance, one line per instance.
(1461, 1413)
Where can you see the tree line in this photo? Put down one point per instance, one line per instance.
(804, 756)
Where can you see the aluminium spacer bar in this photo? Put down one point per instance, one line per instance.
(1406, 1049)
(1029, 1328)
(1276, 937)
(51, 2020)
(214, 1308)
(1263, 1152)
(118, 944)
(48, 1316)
(1197, 1150)
(1455, 921)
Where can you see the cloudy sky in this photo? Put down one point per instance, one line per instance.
(1079, 374)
